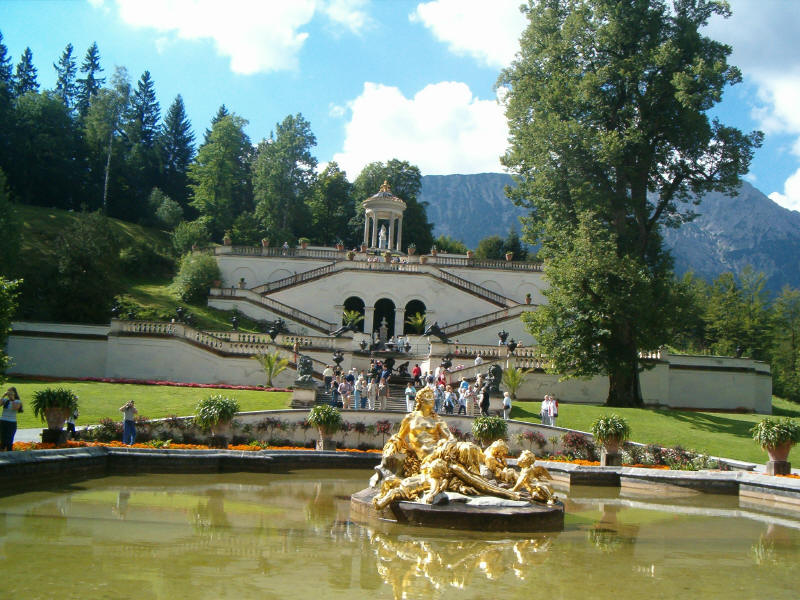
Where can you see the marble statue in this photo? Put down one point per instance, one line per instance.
(382, 241)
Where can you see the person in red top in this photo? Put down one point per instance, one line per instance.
(416, 373)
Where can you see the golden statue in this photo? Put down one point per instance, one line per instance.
(424, 458)
(530, 479)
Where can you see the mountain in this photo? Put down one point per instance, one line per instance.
(730, 233)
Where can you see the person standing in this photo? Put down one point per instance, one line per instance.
(463, 396)
(553, 410)
(372, 393)
(383, 393)
(449, 400)
(410, 393)
(544, 411)
(344, 392)
(327, 376)
(71, 422)
(416, 373)
(12, 405)
(438, 398)
(506, 405)
(485, 400)
(129, 413)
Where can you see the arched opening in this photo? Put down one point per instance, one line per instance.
(354, 303)
(384, 318)
(413, 308)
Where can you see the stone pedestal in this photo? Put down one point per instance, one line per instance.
(326, 445)
(779, 467)
(303, 397)
(54, 436)
(610, 459)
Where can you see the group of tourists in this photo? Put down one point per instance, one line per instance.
(358, 390)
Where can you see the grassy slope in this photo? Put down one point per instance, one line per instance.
(98, 400)
(153, 298)
(719, 434)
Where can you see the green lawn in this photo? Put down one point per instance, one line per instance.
(98, 400)
(718, 434)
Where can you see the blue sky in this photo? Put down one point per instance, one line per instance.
(384, 79)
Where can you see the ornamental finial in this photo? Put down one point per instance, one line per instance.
(385, 187)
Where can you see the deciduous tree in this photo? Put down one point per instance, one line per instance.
(610, 139)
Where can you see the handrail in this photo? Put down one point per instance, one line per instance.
(294, 279)
(279, 307)
(488, 318)
(474, 288)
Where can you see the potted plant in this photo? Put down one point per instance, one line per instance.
(611, 431)
(528, 298)
(412, 249)
(363, 247)
(423, 259)
(387, 256)
(340, 245)
(434, 251)
(351, 255)
(509, 256)
(54, 406)
(265, 242)
(777, 436)
(470, 254)
(328, 421)
(216, 413)
(303, 242)
(227, 240)
(489, 429)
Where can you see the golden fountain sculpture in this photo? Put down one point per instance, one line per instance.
(424, 459)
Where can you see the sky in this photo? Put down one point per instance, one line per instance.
(387, 78)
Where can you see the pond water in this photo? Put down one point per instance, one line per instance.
(290, 536)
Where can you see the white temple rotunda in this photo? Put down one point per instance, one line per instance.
(384, 206)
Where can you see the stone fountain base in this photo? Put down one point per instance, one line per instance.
(480, 514)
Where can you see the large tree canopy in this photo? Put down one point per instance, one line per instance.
(606, 104)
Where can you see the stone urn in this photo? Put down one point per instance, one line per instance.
(363, 247)
(509, 256)
(325, 441)
(527, 298)
(412, 250)
(265, 242)
(470, 254)
(221, 434)
(610, 455)
(227, 241)
(423, 259)
(779, 453)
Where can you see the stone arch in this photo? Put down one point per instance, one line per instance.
(355, 303)
(493, 286)
(278, 274)
(244, 273)
(413, 307)
(384, 309)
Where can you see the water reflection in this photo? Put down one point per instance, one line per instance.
(421, 566)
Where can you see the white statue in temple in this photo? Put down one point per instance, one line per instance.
(382, 242)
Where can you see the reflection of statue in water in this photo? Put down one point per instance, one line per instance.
(305, 372)
(423, 459)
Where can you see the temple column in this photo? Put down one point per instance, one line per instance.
(390, 241)
(374, 231)
(369, 319)
(399, 232)
(366, 228)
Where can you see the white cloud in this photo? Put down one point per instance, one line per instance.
(257, 35)
(348, 13)
(442, 129)
(487, 31)
(762, 35)
(790, 198)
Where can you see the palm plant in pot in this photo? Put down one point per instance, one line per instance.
(611, 431)
(216, 413)
(489, 429)
(54, 406)
(328, 421)
(777, 436)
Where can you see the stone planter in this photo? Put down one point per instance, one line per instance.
(54, 436)
(325, 441)
(509, 256)
(304, 245)
(423, 259)
(610, 455)
(227, 241)
(412, 250)
(221, 435)
(265, 243)
(363, 247)
(470, 254)
(340, 247)
(527, 298)
(351, 255)
(55, 418)
(778, 455)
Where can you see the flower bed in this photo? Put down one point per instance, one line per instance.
(219, 386)
(25, 446)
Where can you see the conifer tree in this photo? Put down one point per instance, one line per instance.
(144, 113)
(5, 68)
(90, 85)
(66, 71)
(176, 143)
(25, 75)
(222, 111)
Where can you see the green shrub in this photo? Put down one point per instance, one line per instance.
(610, 428)
(215, 409)
(188, 234)
(326, 417)
(770, 432)
(54, 405)
(169, 213)
(196, 274)
(489, 429)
